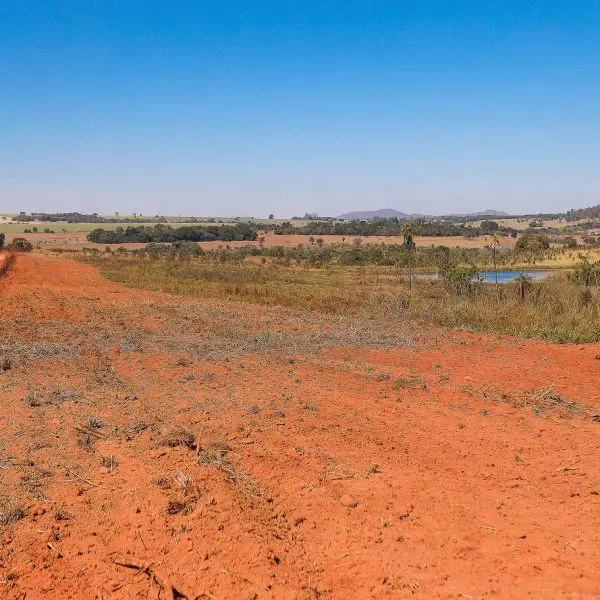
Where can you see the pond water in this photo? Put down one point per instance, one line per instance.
(507, 276)
(488, 276)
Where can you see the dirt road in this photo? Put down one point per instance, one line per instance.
(157, 446)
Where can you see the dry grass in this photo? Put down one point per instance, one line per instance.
(187, 495)
(178, 436)
(214, 454)
(9, 514)
(546, 402)
(367, 300)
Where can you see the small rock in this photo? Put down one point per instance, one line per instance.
(597, 356)
(348, 501)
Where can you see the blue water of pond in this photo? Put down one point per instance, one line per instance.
(507, 276)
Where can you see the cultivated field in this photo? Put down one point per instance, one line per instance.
(76, 240)
(522, 223)
(162, 445)
(73, 236)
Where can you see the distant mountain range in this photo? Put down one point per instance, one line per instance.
(488, 212)
(390, 213)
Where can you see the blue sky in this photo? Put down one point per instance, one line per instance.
(247, 108)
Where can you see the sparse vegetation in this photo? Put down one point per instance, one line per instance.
(178, 436)
(10, 514)
(180, 422)
(20, 244)
(553, 309)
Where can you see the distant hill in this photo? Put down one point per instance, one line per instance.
(390, 213)
(382, 213)
(489, 212)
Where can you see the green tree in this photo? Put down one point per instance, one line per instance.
(531, 242)
(21, 245)
(587, 273)
(489, 226)
(461, 279)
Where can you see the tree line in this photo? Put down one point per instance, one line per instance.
(76, 217)
(167, 234)
(393, 227)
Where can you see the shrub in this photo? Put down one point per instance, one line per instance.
(489, 226)
(587, 273)
(461, 279)
(187, 248)
(21, 245)
(532, 242)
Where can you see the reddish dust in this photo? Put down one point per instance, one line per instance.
(152, 448)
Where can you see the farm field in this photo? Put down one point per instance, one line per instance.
(73, 236)
(62, 227)
(522, 224)
(76, 239)
(177, 446)
(14, 226)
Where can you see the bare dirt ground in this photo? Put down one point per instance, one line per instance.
(160, 447)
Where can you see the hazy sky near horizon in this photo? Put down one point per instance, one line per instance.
(231, 107)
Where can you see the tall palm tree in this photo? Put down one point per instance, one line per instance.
(408, 232)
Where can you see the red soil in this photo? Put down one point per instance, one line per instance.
(353, 472)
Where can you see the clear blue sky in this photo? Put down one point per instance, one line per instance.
(250, 107)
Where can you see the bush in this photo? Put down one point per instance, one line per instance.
(187, 248)
(532, 242)
(2, 240)
(587, 273)
(21, 245)
(489, 226)
(462, 279)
